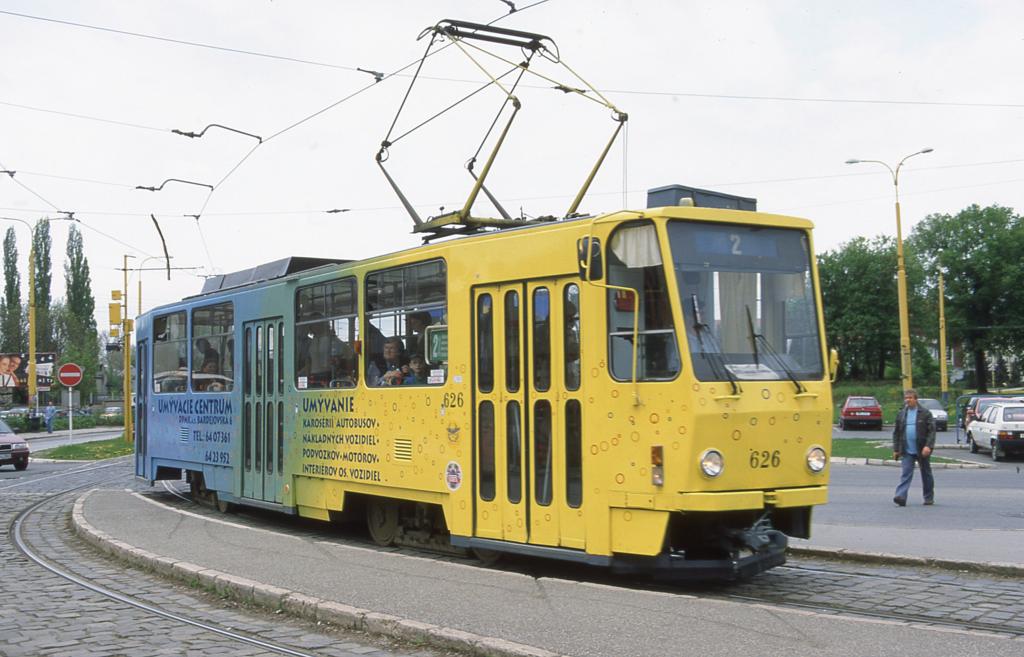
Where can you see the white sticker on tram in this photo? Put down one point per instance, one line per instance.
(214, 520)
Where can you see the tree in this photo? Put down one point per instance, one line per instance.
(859, 293)
(12, 338)
(41, 244)
(77, 318)
(978, 251)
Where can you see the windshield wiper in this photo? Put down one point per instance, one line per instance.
(768, 349)
(718, 365)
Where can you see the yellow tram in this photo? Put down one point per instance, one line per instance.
(645, 390)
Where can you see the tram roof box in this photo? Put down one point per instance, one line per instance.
(702, 198)
(264, 272)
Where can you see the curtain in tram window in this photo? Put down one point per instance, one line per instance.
(737, 291)
(776, 290)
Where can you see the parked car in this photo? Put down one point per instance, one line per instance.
(864, 411)
(978, 405)
(938, 412)
(15, 411)
(112, 411)
(13, 450)
(999, 429)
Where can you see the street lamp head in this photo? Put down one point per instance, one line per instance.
(926, 150)
(853, 161)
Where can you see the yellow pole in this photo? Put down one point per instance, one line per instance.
(127, 341)
(944, 378)
(32, 392)
(901, 283)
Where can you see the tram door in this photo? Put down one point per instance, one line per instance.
(141, 415)
(262, 408)
(520, 473)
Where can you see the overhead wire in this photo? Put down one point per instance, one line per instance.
(84, 116)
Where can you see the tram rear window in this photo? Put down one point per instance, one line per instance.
(170, 353)
(400, 304)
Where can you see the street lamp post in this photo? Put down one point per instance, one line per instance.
(901, 274)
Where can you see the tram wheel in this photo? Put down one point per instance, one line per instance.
(382, 520)
(223, 505)
(487, 557)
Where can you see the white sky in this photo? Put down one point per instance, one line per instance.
(919, 58)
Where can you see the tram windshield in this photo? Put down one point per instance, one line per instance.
(748, 301)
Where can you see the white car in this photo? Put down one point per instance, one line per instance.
(1000, 429)
(938, 412)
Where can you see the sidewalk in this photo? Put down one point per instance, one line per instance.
(437, 602)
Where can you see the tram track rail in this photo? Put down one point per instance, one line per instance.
(24, 546)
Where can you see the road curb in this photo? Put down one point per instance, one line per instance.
(988, 567)
(959, 465)
(298, 604)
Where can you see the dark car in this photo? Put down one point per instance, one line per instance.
(13, 450)
(861, 411)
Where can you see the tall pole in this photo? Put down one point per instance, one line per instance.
(906, 365)
(33, 394)
(126, 334)
(943, 378)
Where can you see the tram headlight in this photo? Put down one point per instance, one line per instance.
(816, 459)
(712, 463)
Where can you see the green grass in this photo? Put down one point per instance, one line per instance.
(91, 451)
(866, 448)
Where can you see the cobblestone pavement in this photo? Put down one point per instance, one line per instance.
(926, 595)
(44, 614)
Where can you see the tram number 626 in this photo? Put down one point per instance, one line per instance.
(765, 459)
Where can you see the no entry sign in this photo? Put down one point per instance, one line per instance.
(69, 375)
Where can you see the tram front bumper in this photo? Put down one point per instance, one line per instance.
(676, 567)
(752, 499)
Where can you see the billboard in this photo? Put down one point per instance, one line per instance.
(14, 371)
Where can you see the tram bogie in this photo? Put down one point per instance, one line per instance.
(667, 411)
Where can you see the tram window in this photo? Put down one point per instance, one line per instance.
(259, 360)
(271, 347)
(541, 339)
(280, 437)
(485, 343)
(247, 434)
(270, 437)
(170, 351)
(573, 454)
(542, 470)
(400, 304)
(512, 341)
(513, 452)
(258, 440)
(485, 440)
(247, 362)
(213, 329)
(280, 359)
(326, 335)
(571, 336)
(634, 262)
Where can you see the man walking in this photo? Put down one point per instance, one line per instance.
(912, 442)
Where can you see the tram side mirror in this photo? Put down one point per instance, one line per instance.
(588, 252)
(833, 365)
(437, 344)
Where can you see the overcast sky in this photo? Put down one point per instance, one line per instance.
(762, 99)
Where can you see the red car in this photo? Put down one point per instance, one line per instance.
(13, 449)
(861, 411)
